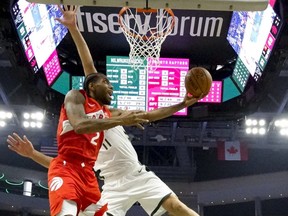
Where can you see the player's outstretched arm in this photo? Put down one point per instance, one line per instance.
(24, 147)
(165, 112)
(162, 112)
(69, 20)
(81, 124)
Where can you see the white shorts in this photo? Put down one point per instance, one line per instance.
(138, 186)
(69, 207)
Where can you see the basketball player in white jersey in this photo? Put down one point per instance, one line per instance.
(126, 181)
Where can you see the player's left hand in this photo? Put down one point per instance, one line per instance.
(69, 16)
(189, 100)
(21, 146)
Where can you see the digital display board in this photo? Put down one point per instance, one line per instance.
(237, 29)
(166, 83)
(215, 93)
(39, 34)
(150, 88)
(52, 67)
(252, 35)
(240, 74)
(145, 89)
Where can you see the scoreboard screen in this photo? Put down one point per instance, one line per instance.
(150, 88)
(147, 89)
(39, 35)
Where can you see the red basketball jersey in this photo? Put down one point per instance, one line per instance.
(81, 146)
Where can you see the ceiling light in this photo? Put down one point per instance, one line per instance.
(26, 124)
(2, 123)
(281, 123)
(32, 124)
(284, 131)
(39, 116)
(254, 130)
(26, 115)
(5, 115)
(285, 123)
(33, 116)
(9, 115)
(277, 123)
(248, 122)
(254, 122)
(262, 122)
(248, 130)
(39, 124)
(262, 131)
(2, 114)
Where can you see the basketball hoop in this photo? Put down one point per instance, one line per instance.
(145, 31)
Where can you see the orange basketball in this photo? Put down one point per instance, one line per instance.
(198, 80)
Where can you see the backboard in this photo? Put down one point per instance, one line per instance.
(215, 5)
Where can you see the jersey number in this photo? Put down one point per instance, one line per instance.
(95, 138)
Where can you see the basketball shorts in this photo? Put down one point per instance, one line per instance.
(70, 208)
(140, 186)
(73, 181)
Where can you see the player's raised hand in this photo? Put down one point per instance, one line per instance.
(189, 100)
(21, 146)
(130, 118)
(69, 15)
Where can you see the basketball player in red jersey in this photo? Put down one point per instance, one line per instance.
(160, 198)
(69, 176)
(83, 117)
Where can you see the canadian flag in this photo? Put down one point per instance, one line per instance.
(232, 151)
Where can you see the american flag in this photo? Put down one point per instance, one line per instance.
(49, 147)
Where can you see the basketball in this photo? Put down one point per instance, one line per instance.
(198, 80)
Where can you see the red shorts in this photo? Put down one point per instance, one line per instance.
(74, 181)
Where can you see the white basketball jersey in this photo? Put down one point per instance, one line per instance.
(116, 155)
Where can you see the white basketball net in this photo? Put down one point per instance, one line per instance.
(145, 31)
